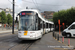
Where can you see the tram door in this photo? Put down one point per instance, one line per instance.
(50, 26)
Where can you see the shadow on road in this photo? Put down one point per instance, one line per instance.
(70, 37)
(25, 41)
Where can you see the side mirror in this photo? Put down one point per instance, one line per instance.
(16, 19)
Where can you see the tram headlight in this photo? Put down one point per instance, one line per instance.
(19, 32)
(32, 32)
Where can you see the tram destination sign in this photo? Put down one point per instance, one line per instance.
(27, 13)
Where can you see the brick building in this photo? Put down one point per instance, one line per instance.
(48, 14)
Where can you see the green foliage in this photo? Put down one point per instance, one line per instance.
(65, 16)
(51, 19)
(0, 17)
(9, 19)
(3, 17)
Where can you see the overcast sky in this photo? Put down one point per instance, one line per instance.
(42, 5)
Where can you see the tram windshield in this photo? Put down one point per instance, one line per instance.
(27, 22)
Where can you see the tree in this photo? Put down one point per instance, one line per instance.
(51, 19)
(65, 16)
(9, 19)
(3, 17)
(0, 17)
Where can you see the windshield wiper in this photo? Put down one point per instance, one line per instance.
(30, 25)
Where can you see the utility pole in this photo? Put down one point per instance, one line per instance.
(13, 19)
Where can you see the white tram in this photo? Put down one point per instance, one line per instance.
(32, 25)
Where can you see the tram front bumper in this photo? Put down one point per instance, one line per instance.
(28, 37)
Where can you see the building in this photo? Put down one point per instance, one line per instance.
(48, 14)
(1, 9)
(7, 11)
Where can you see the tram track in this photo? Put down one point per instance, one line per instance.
(11, 42)
(5, 39)
(23, 45)
(17, 44)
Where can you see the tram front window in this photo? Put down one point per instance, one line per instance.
(27, 23)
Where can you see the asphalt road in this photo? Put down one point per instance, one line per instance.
(11, 42)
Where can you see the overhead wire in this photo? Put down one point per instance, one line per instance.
(45, 4)
(12, 3)
(37, 4)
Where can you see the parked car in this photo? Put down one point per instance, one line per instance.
(69, 31)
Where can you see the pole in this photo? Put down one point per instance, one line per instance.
(59, 28)
(68, 42)
(63, 25)
(62, 39)
(13, 19)
(58, 37)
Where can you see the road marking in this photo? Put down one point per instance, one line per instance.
(33, 47)
(63, 43)
(54, 38)
(60, 41)
(61, 48)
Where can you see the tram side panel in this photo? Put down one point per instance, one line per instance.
(47, 28)
(51, 27)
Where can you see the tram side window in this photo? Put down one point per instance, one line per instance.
(52, 26)
(38, 23)
(46, 25)
(41, 24)
(49, 25)
(36, 26)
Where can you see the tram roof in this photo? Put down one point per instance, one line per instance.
(39, 14)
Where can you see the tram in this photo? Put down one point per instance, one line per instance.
(32, 25)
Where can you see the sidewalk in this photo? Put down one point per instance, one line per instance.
(48, 43)
(4, 31)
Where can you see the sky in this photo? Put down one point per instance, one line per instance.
(42, 5)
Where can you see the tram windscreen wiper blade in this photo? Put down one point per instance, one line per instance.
(30, 25)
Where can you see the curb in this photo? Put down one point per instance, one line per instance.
(7, 31)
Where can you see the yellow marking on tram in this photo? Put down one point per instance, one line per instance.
(25, 32)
